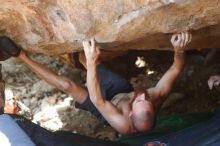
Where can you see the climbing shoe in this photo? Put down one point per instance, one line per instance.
(3, 55)
(8, 48)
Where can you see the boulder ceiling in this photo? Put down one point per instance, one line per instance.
(58, 26)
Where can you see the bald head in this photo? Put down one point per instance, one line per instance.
(143, 120)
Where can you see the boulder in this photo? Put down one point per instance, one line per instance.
(58, 26)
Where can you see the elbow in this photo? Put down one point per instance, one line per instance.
(161, 91)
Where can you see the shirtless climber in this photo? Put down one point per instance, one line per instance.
(109, 96)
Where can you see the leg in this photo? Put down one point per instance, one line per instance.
(60, 82)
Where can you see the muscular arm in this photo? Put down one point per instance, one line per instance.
(163, 87)
(110, 112)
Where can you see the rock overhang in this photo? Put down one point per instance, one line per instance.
(56, 27)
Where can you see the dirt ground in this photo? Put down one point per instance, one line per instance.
(55, 110)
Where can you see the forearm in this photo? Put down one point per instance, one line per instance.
(93, 84)
(179, 61)
(166, 82)
(175, 70)
(43, 72)
(163, 87)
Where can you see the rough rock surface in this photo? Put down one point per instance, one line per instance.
(58, 26)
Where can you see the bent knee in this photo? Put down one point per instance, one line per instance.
(67, 85)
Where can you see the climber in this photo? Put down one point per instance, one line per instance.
(109, 96)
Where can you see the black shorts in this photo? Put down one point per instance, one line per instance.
(111, 84)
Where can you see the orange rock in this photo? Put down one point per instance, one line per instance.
(55, 27)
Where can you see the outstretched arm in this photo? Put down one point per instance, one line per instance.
(163, 87)
(110, 112)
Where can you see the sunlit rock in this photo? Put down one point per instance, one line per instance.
(58, 26)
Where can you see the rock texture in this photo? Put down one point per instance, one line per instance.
(58, 26)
